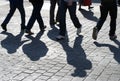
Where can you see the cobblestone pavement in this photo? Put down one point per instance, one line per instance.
(42, 58)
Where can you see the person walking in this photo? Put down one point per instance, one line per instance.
(107, 6)
(54, 21)
(15, 4)
(36, 15)
(71, 6)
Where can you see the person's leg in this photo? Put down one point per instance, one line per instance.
(72, 11)
(31, 20)
(80, 3)
(10, 14)
(119, 2)
(62, 15)
(22, 12)
(103, 13)
(52, 11)
(113, 15)
(58, 11)
(8, 17)
(63, 9)
(39, 17)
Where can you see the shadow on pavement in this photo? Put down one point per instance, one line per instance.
(89, 15)
(36, 48)
(76, 57)
(115, 50)
(11, 43)
(53, 32)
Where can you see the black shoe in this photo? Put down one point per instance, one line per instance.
(4, 27)
(29, 32)
(113, 37)
(43, 29)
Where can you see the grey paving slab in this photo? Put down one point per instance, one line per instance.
(42, 58)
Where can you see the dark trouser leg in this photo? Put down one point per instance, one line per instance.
(72, 11)
(10, 14)
(119, 2)
(58, 11)
(22, 12)
(52, 11)
(39, 17)
(32, 18)
(63, 9)
(104, 13)
(113, 15)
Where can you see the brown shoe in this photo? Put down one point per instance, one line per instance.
(29, 32)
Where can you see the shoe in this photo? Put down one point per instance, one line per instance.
(78, 31)
(60, 37)
(29, 32)
(43, 29)
(95, 33)
(4, 27)
(113, 37)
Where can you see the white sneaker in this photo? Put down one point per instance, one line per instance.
(60, 37)
(78, 31)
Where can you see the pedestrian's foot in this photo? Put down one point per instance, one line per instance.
(43, 29)
(95, 33)
(113, 37)
(29, 32)
(4, 27)
(60, 37)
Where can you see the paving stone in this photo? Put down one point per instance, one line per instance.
(77, 58)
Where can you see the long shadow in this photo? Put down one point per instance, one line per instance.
(11, 43)
(77, 57)
(36, 48)
(53, 33)
(115, 50)
(89, 15)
